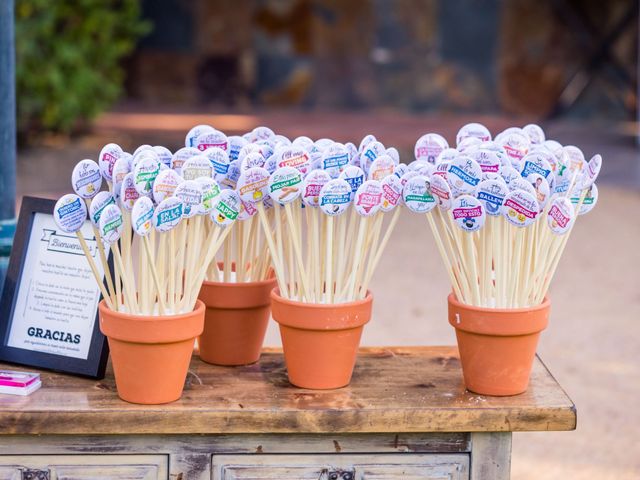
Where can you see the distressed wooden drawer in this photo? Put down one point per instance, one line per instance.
(341, 467)
(83, 467)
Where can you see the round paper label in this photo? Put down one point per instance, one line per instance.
(111, 224)
(520, 208)
(560, 216)
(516, 144)
(247, 149)
(368, 199)
(535, 133)
(247, 210)
(491, 194)
(253, 185)
(366, 141)
(469, 144)
(590, 199)
(591, 172)
(521, 184)
(108, 156)
(312, 185)
(210, 190)
(441, 191)
(354, 176)
(195, 132)
(294, 157)
(226, 208)
(219, 161)
(164, 155)
(447, 155)
(391, 192)
(197, 167)
(145, 174)
(463, 175)
(382, 167)
(408, 176)
(215, 139)
(142, 216)
(575, 158)
(429, 147)
(168, 214)
(285, 185)
(128, 192)
(235, 145)
(541, 189)
(231, 180)
(441, 170)
(535, 163)
(488, 161)
(263, 133)
(394, 154)
(190, 194)
(70, 213)
(165, 185)
(400, 169)
(98, 204)
(120, 170)
(417, 195)
(86, 179)
(335, 197)
(372, 151)
(476, 130)
(181, 156)
(468, 213)
(334, 159)
(509, 174)
(302, 142)
(252, 159)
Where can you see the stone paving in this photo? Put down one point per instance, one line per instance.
(593, 339)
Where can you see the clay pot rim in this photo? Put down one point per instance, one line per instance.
(499, 322)
(259, 283)
(102, 306)
(454, 301)
(321, 317)
(275, 295)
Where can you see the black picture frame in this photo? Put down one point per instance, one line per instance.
(95, 364)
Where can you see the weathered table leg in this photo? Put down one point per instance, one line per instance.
(491, 455)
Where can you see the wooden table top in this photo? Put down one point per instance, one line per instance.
(408, 389)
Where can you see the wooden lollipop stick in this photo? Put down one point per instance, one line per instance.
(328, 279)
(126, 287)
(94, 270)
(276, 260)
(297, 250)
(154, 275)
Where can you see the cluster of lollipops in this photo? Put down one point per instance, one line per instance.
(505, 208)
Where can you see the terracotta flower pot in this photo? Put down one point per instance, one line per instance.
(320, 342)
(497, 346)
(235, 322)
(150, 355)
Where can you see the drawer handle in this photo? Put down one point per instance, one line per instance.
(28, 474)
(338, 474)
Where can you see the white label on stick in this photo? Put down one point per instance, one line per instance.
(98, 204)
(145, 174)
(520, 208)
(368, 198)
(168, 214)
(391, 193)
(111, 224)
(417, 194)
(335, 197)
(197, 167)
(253, 185)
(108, 156)
(560, 216)
(165, 185)
(312, 185)
(70, 213)
(86, 179)
(491, 194)
(226, 208)
(285, 185)
(468, 213)
(142, 216)
(441, 191)
(190, 194)
(128, 192)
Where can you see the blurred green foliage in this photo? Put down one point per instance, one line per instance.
(68, 56)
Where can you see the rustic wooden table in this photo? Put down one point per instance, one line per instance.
(406, 414)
